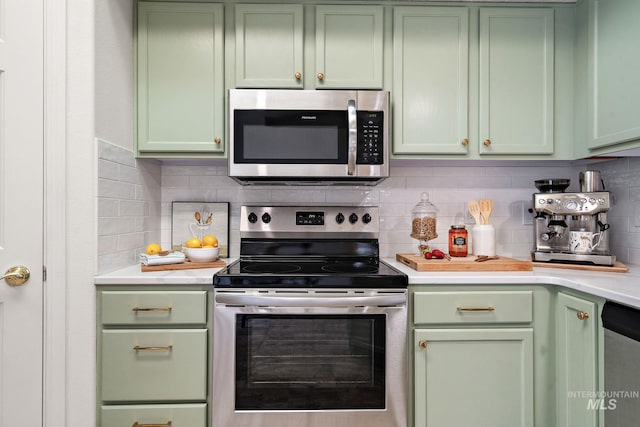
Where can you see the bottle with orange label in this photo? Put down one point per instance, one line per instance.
(458, 241)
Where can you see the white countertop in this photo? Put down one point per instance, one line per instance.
(620, 287)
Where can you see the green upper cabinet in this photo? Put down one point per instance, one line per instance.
(269, 46)
(474, 82)
(349, 47)
(613, 74)
(431, 80)
(271, 52)
(180, 86)
(516, 81)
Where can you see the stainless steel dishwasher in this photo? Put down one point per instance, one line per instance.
(621, 364)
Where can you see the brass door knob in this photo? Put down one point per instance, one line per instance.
(422, 344)
(16, 275)
(320, 76)
(487, 142)
(217, 140)
(298, 76)
(582, 315)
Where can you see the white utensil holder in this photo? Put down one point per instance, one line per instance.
(483, 239)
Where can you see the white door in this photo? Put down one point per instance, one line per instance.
(21, 210)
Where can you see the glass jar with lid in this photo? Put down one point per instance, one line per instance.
(423, 223)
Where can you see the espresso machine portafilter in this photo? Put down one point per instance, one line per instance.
(572, 227)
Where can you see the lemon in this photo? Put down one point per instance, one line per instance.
(194, 242)
(154, 249)
(210, 240)
(207, 247)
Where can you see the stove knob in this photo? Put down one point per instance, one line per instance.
(353, 218)
(340, 218)
(253, 218)
(266, 218)
(366, 218)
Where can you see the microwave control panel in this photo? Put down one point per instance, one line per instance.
(370, 140)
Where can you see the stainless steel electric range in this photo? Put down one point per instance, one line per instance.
(309, 324)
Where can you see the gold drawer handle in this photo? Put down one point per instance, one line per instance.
(422, 344)
(582, 315)
(298, 76)
(475, 308)
(487, 142)
(148, 309)
(137, 424)
(217, 140)
(465, 142)
(165, 348)
(320, 76)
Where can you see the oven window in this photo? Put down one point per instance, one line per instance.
(284, 136)
(310, 362)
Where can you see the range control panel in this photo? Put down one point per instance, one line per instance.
(340, 220)
(572, 203)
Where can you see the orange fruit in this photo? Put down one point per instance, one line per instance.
(194, 242)
(210, 240)
(153, 249)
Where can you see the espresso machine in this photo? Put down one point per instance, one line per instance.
(572, 227)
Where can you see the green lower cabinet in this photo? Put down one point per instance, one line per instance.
(578, 325)
(192, 415)
(466, 377)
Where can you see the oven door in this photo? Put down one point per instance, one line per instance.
(310, 358)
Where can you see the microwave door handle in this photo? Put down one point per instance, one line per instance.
(353, 137)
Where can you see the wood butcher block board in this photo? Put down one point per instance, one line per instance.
(183, 266)
(617, 267)
(467, 263)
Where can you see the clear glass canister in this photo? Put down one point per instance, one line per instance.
(423, 223)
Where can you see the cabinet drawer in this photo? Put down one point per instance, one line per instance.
(154, 308)
(473, 307)
(193, 415)
(141, 365)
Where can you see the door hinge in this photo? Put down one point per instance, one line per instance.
(44, 273)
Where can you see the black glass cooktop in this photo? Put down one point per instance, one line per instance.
(317, 273)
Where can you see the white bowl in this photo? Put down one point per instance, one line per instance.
(201, 254)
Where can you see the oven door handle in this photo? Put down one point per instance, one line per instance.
(280, 301)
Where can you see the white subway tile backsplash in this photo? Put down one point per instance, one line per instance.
(449, 187)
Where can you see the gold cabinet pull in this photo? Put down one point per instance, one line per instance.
(137, 424)
(489, 308)
(582, 315)
(487, 142)
(217, 140)
(165, 348)
(148, 309)
(422, 344)
(465, 142)
(298, 76)
(320, 76)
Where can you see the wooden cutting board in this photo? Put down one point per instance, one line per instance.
(183, 266)
(617, 267)
(467, 263)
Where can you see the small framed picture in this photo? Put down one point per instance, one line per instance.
(199, 219)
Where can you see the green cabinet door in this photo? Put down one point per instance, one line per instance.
(269, 46)
(614, 72)
(468, 377)
(180, 93)
(431, 80)
(349, 47)
(516, 66)
(577, 361)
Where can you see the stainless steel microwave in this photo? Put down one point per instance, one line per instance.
(308, 136)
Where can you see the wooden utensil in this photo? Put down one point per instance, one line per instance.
(486, 206)
(474, 210)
